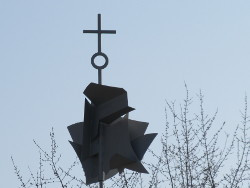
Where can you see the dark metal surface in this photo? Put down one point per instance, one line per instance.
(107, 104)
(107, 143)
(99, 33)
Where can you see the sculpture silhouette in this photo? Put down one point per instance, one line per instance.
(118, 142)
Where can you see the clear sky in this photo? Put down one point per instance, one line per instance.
(45, 64)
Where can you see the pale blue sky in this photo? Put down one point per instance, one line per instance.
(45, 64)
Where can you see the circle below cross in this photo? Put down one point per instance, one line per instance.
(97, 66)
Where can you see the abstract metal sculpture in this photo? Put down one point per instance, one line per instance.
(108, 141)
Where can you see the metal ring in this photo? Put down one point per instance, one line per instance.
(97, 66)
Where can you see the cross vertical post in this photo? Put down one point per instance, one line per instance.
(99, 33)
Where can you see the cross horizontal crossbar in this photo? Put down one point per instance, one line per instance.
(100, 31)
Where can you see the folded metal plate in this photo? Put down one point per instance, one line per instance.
(118, 161)
(117, 143)
(141, 144)
(107, 104)
(99, 94)
(136, 128)
(138, 167)
(77, 148)
(76, 132)
(80, 135)
(110, 174)
(109, 119)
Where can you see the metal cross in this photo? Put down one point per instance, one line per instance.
(99, 32)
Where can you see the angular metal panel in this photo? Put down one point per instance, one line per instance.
(99, 94)
(77, 148)
(138, 167)
(117, 142)
(118, 161)
(90, 166)
(115, 115)
(136, 128)
(76, 131)
(90, 119)
(141, 144)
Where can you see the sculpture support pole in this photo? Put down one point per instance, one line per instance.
(99, 33)
(100, 76)
(101, 173)
(101, 184)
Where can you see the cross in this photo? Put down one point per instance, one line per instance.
(100, 32)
